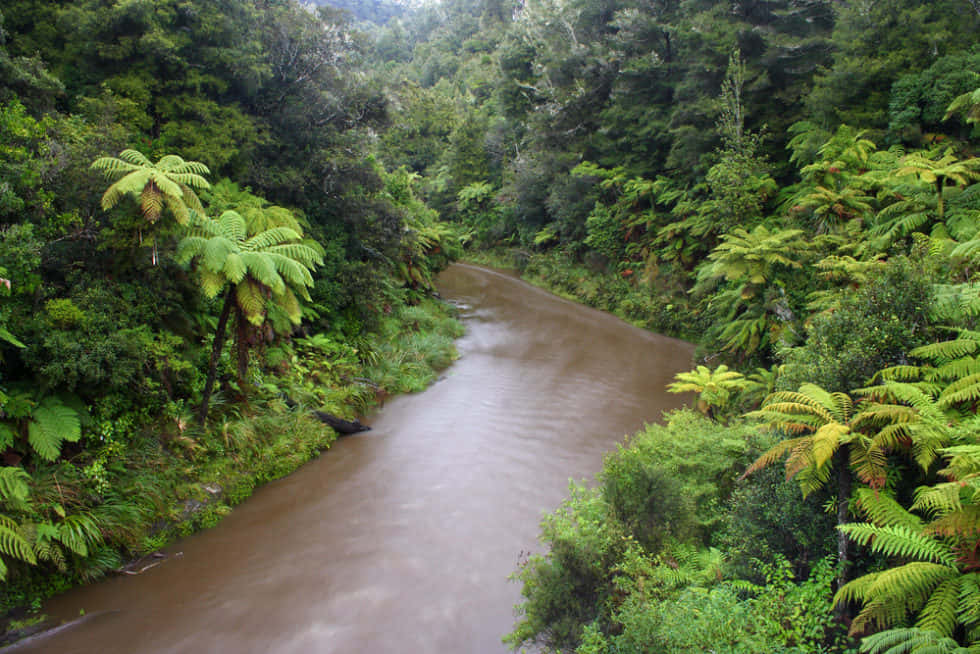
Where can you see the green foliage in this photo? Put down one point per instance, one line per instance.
(170, 183)
(641, 534)
(714, 387)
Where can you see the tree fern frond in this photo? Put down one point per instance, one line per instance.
(136, 158)
(212, 283)
(911, 641)
(270, 237)
(938, 499)
(288, 302)
(178, 208)
(969, 607)
(826, 441)
(292, 272)
(215, 252)
(251, 299)
(899, 540)
(775, 453)
(963, 523)
(946, 350)
(233, 227)
(261, 267)
(883, 510)
(939, 612)
(234, 268)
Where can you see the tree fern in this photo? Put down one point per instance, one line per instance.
(901, 541)
(272, 266)
(167, 183)
(914, 641)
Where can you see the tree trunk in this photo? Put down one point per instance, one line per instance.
(940, 204)
(219, 342)
(241, 347)
(844, 480)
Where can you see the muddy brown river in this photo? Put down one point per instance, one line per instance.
(402, 539)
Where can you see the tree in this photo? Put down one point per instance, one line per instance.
(271, 266)
(169, 183)
(939, 171)
(938, 577)
(714, 387)
(753, 309)
(826, 445)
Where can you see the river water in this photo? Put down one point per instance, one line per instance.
(402, 539)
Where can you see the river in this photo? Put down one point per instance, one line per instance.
(402, 539)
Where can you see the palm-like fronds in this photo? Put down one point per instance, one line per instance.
(937, 577)
(272, 264)
(823, 420)
(170, 183)
(914, 641)
(714, 387)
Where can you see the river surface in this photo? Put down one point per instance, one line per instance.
(401, 539)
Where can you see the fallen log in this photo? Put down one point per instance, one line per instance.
(341, 426)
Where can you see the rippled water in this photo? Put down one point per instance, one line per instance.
(401, 539)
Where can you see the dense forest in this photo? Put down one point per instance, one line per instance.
(791, 184)
(199, 255)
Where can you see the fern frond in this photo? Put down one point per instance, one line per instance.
(773, 454)
(911, 641)
(270, 237)
(136, 158)
(290, 305)
(939, 612)
(232, 226)
(946, 350)
(899, 540)
(262, 268)
(938, 499)
(212, 283)
(884, 511)
(52, 422)
(963, 523)
(13, 544)
(78, 532)
(14, 485)
(251, 299)
(234, 268)
(215, 252)
(292, 271)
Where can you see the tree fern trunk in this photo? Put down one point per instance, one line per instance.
(219, 342)
(940, 204)
(241, 346)
(844, 480)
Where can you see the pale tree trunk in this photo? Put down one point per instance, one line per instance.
(844, 482)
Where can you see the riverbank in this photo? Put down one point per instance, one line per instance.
(658, 305)
(169, 477)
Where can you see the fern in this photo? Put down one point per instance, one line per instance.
(14, 487)
(13, 544)
(52, 422)
(900, 540)
(884, 511)
(913, 641)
